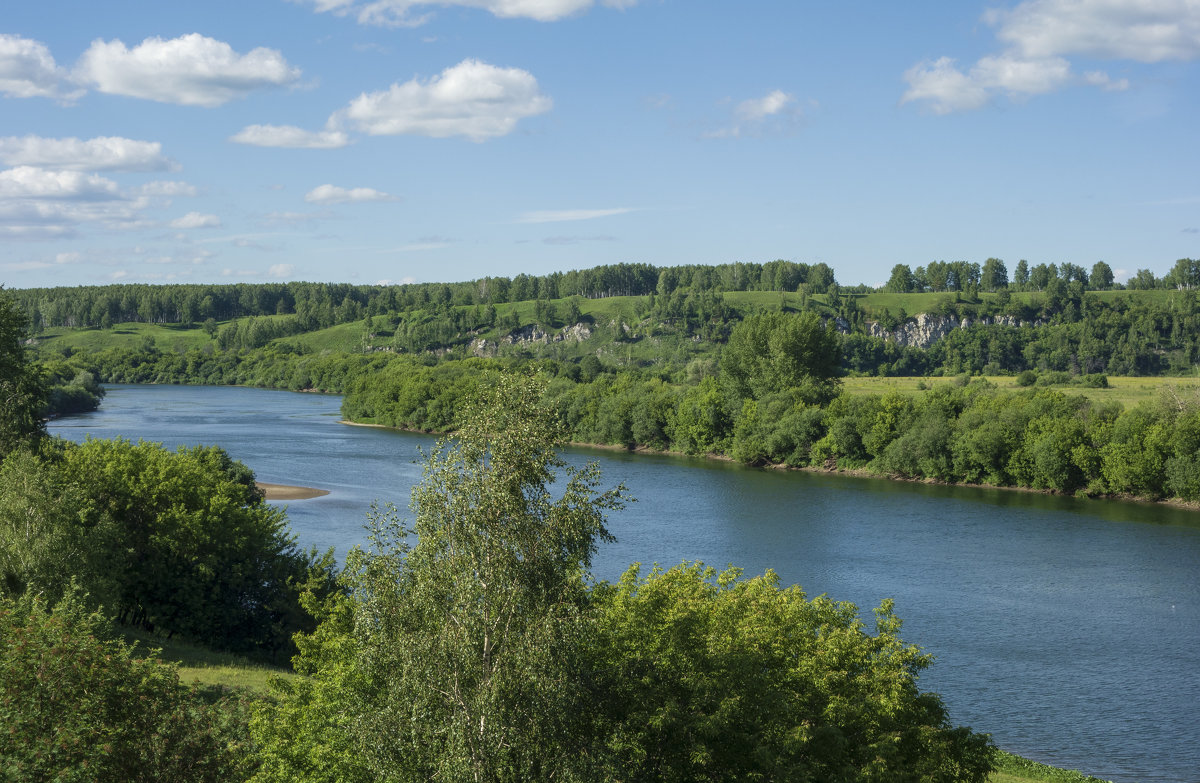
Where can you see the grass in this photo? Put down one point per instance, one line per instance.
(1015, 769)
(167, 337)
(1127, 390)
(200, 664)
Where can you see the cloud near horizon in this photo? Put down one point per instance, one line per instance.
(37, 203)
(564, 215)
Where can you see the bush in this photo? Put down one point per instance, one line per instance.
(1026, 378)
(76, 707)
(718, 678)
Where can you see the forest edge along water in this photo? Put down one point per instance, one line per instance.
(1067, 628)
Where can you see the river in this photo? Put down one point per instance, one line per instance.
(1069, 629)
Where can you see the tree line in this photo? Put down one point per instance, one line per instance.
(993, 275)
(320, 305)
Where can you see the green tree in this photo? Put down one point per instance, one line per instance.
(774, 352)
(22, 389)
(994, 275)
(469, 642)
(718, 678)
(1021, 273)
(190, 544)
(79, 708)
(901, 280)
(1101, 278)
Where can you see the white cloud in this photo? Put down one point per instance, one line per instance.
(754, 116)
(1040, 34)
(760, 108)
(563, 215)
(196, 220)
(945, 87)
(1146, 31)
(39, 203)
(404, 13)
(191, 70)
(331, 194)
(28, 70)
(281, 270)
(30, 182)
(290, 136)
(471, 99)
(948, 89)
(103, 153)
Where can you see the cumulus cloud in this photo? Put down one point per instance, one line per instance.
(281, 270)
(564, 215)
(947, 89)
(192, 70)
(38, 203)
(411, 13)
(103, 153)
(1147, 31)
(30, 182)
(290, 136)
(331, 194)
(1041, 34)
(28, 70)
(472, 99)
(196, 220)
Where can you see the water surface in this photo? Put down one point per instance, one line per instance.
(1069, 629)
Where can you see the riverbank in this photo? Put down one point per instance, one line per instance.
(833, 469)
(289, 492)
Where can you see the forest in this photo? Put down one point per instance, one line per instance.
(482, 651)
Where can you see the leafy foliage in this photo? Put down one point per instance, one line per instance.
(77, 707)
(717, 678)
(22, 387)
(181, 542)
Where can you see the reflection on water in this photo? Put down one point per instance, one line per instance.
(1068, 628)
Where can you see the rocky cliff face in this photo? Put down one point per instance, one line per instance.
(576, 333)
(926, 329)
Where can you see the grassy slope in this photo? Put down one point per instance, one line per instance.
(168, 337)
(1129, 391)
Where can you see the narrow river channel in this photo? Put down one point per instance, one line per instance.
(1069, 629)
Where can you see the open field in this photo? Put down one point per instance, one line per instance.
(1128, 391)
(166, 337)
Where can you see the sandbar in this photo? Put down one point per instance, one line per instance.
(288, 492)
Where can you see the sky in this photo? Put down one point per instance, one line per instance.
(394, 141)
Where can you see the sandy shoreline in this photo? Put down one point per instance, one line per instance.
(288, 492)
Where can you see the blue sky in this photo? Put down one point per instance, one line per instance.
(400, 140)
